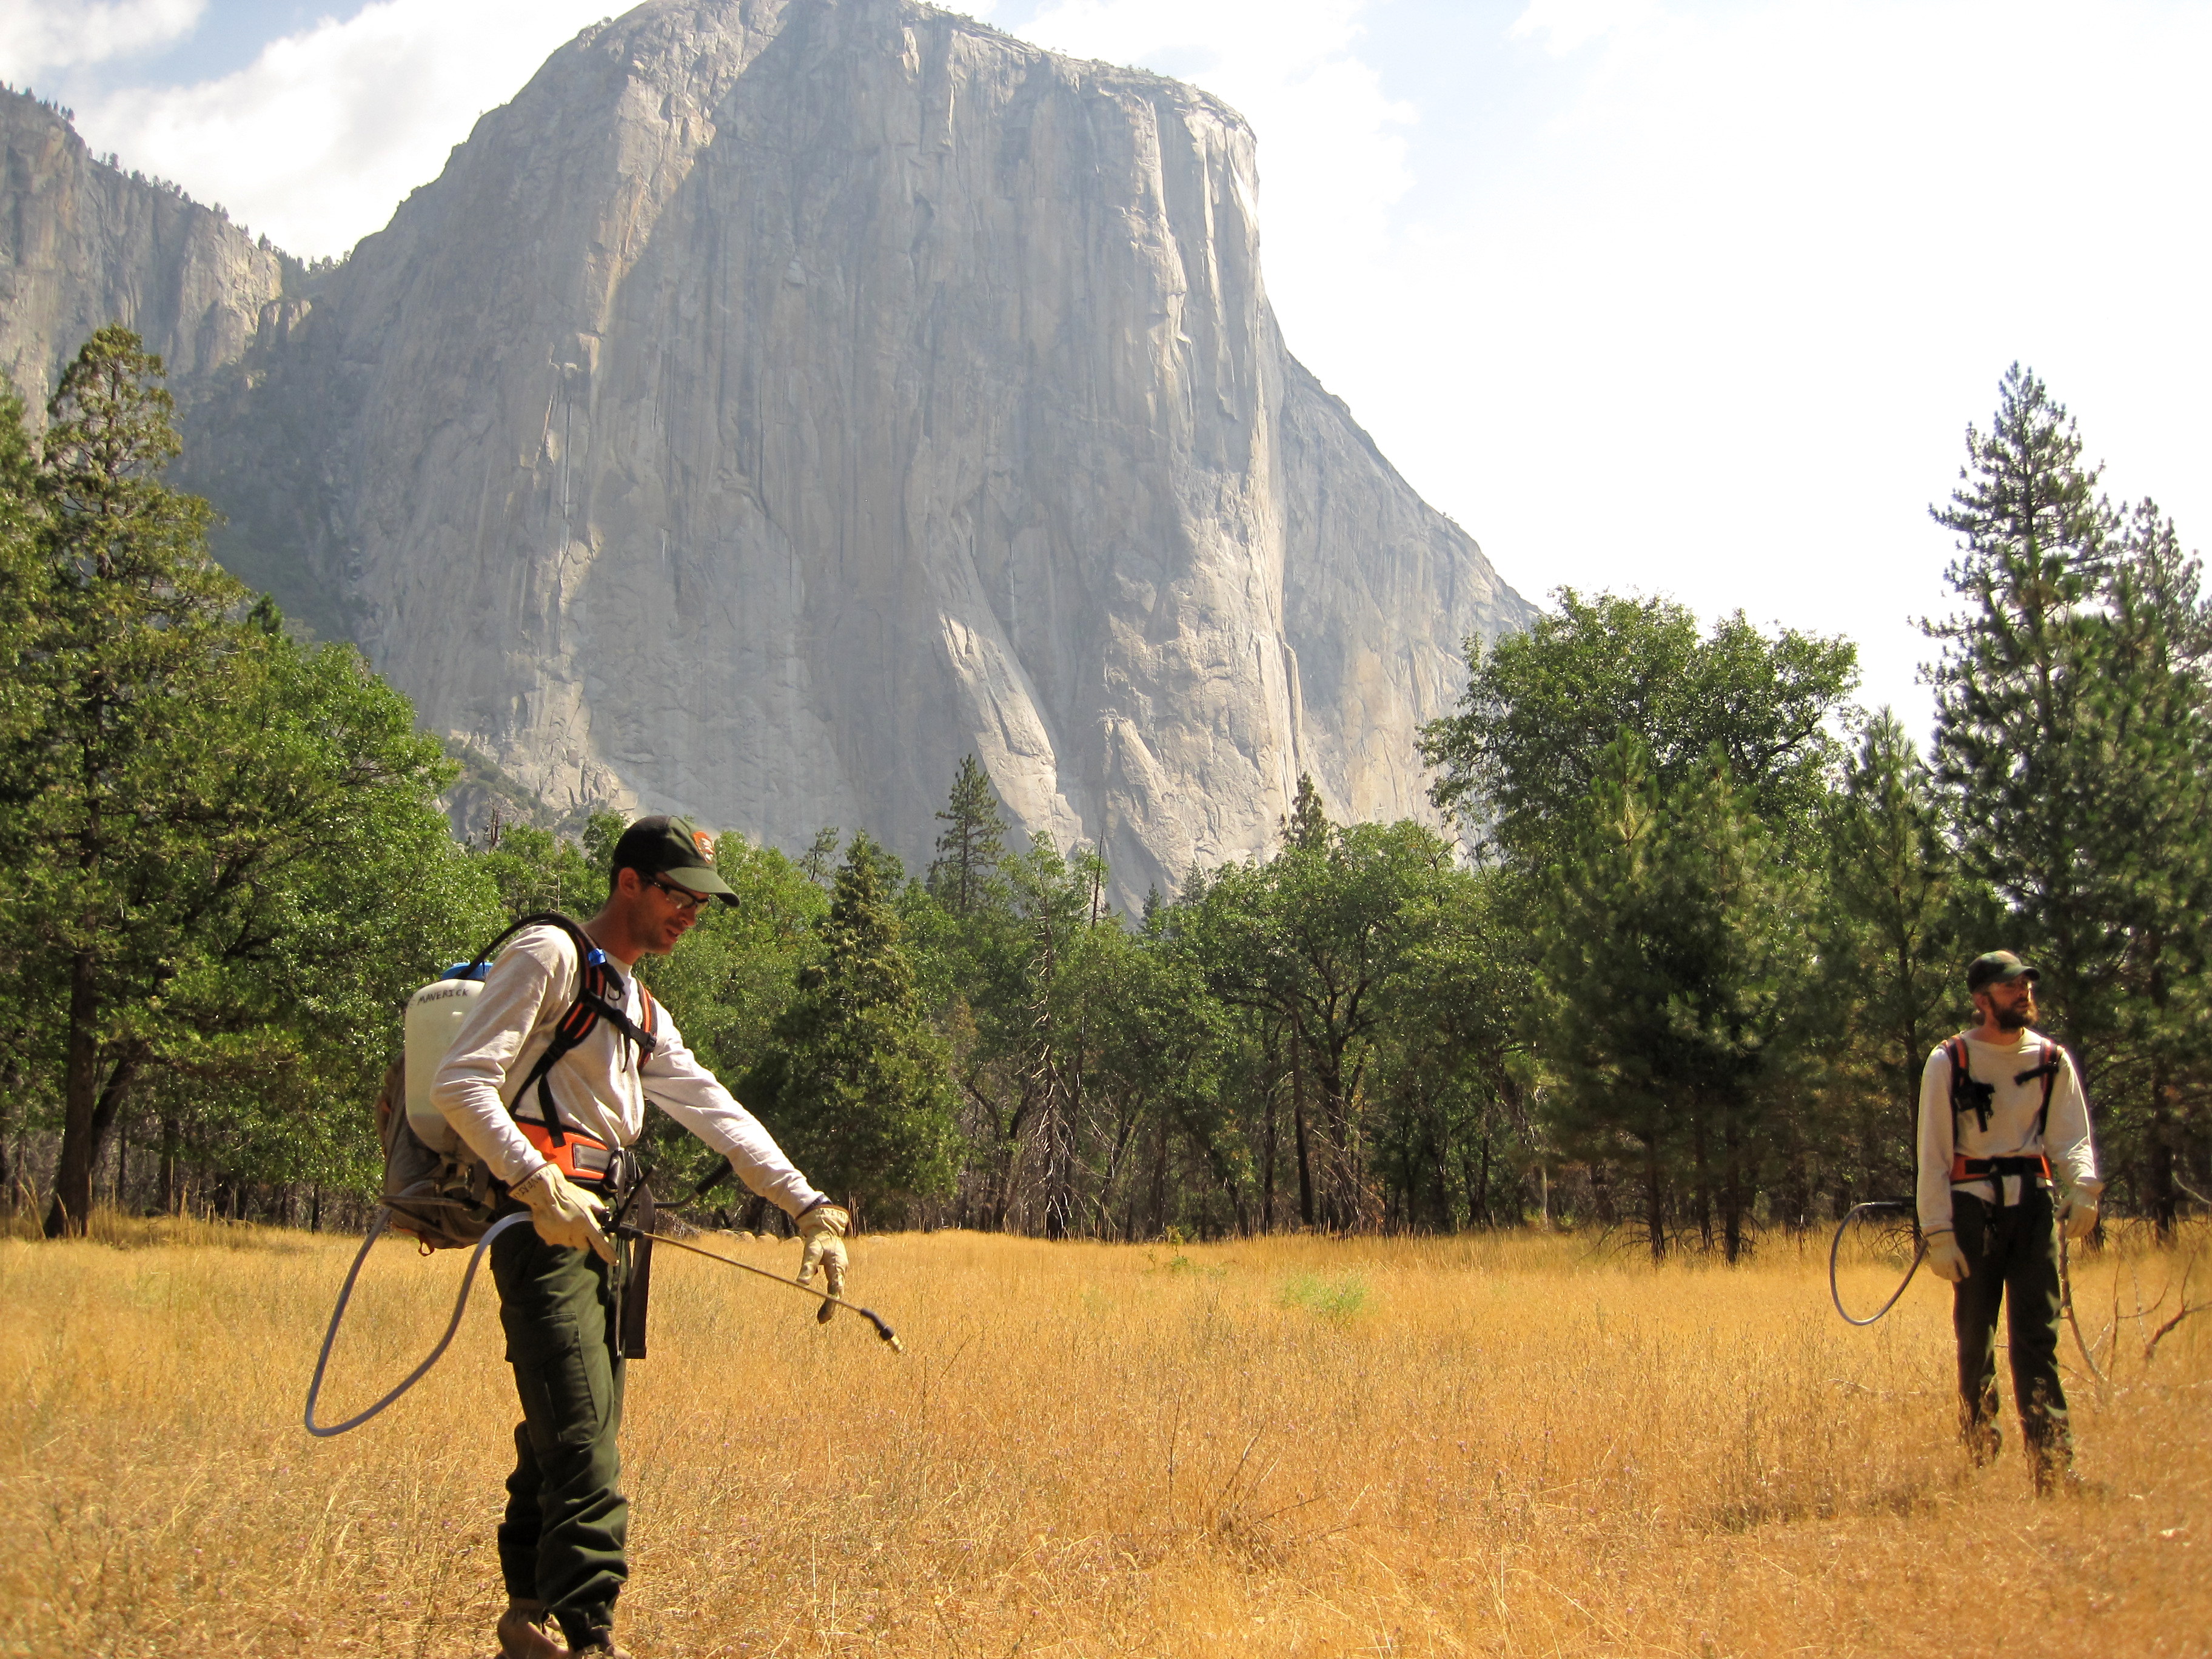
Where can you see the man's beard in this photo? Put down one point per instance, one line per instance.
(2019, 1017)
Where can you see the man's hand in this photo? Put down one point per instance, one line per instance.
(1945, 1259)
(823, 1230)
(563, 1213)
(2077, 1213)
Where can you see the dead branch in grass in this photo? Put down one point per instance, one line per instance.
(2186, 1308)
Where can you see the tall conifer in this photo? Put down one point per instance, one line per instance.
(972, 843)
(2009, 738)
(854, 1082)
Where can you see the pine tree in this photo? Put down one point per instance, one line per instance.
(223, 857)
(2010, 743)
(1307, 826)
(854, 1082)
(972, 843)
(134, 624)
(1674, 956)
(2148, 714)
(1896, 919)
(1604, 996)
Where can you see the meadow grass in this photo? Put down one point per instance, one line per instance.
(1512, 1444)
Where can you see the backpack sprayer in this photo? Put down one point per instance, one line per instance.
(438, 1194)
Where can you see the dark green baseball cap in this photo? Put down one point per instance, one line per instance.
(677, 848)
(1991, 966)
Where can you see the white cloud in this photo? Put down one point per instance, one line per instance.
(317, 139)
(41, 36)
(1713, 322)
(1568, 25)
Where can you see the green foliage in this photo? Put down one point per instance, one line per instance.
(1319, 940)
(2011, 741)
(2073, 737)
(1540, 707)
(965, 878)
(853, 1080)
(534, 869)
(1673, 956)
(1339, 1299)
(1897, 918)
(224, 862)
(1689, 980)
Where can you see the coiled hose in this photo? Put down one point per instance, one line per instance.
(345, 1295)
(1878, 1206)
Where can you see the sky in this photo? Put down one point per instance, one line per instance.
(1692, 297)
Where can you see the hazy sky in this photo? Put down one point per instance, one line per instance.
(1696, 298)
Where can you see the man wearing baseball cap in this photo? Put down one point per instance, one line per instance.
(554, 1138)
(2005, 1161)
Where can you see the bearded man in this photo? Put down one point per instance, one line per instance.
(2005, 1162)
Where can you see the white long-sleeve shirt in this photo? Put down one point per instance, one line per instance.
(2012, 1134)
(598, 1087)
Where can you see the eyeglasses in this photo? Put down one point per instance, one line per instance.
(683, 897)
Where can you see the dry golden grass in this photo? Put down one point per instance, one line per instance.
(1512, 1445)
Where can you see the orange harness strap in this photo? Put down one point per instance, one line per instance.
(1965, 1169)
(575, 1153)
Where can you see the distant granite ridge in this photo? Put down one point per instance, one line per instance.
(779, 399)
(82, 244)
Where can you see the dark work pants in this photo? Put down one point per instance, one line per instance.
(561, 1541)
(2012, 1255)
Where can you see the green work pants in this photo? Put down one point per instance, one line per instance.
(561, 1541)
(2012, 1252)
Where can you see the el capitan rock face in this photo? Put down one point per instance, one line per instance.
(780, 398)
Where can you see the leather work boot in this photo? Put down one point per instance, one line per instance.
(599, 1644)
(1981, 1437)
(2051, 1464)
(523, 1635)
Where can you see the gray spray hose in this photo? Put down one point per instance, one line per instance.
(1880, 1206)
(330, 1336)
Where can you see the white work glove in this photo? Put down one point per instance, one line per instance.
(563, 1213)
(822, 1228)
(1945, 1259)
(2077, 1213)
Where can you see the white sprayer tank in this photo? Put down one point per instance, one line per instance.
(434, 1014)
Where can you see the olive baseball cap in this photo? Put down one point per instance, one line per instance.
(675, 848)
(1992, 966)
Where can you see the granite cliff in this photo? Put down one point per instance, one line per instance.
(83, 244)
(780, 398)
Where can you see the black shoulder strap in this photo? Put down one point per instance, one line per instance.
(1967, 1095)
(596, 976)
(2054, 1060)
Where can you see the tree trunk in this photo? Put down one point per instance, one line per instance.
(1267, 1160)
(89, 1106)
(1655, 1214)
(2162, 1201)
(1160, 1183)
(1705, 1180)
(1732, 1188)
(172, 1195)
(1298, 1125)
(72, 1205)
